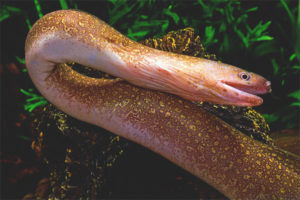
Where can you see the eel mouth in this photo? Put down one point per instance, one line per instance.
(262, 88)
(244, 95)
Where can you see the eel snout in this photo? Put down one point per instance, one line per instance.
(246, 95)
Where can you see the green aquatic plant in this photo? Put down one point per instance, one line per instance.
(232, 21)
(7, 12)
(38, 8)
(136, 20)
(285, 62)
(33, 100)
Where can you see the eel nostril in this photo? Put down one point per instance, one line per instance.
(268, 86)
(268, 83)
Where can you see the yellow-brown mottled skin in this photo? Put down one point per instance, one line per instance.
(236, 165)
(95, 44)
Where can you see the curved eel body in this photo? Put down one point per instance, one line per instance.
(72, 36)
(197, 141)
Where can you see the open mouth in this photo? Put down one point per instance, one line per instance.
(242, 95)
(259, 89)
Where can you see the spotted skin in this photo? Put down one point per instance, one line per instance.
(95, 44)
(190, 137)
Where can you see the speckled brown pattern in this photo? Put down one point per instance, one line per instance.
(73, 23)
(97, 45)
(236, 165)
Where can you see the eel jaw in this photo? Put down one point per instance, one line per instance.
(261, 88)
(243, 96)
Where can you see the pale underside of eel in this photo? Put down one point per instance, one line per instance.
(199, 142)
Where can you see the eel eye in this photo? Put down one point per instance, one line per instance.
(245, 76)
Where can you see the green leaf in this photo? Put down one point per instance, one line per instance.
(292, 17)
(258, 30)
(31, 107)
(120, 9)
(242, 18)
(263, 38)
(63, 4)
(270, 118)
(295, 94)
(209, 34)
(296, 67)
(38, 8)
(25, 92)
(173, 15)
(252, 9)
(141, 3)
(229, 13)
(185, 21)
(243, 37)
(144, 16)
(137, 35)
(207, 10)
(33, 100)
(223, 27)
(28, 23)
(9, 11)
(20, 60)
(225, 45)
(4, 16)
(292, 57)
(73, 4)
(275, 66)
(164, 26)
(297, 103)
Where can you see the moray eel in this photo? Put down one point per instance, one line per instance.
(97, 45)
(175, 128)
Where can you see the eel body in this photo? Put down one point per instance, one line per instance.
(175, 128)
(72, 36)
